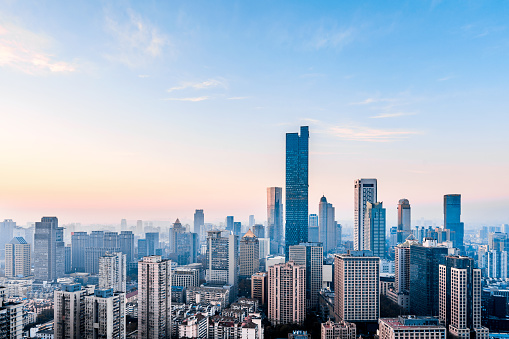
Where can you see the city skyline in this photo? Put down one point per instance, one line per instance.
(152, 111)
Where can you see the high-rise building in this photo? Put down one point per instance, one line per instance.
(374, 229)
(249, 255)
(339, 235)
(104, 315)
(258, 230)
(404, 221)
(498, 241)
(49, 260)
(68, 259)
(326, 225)
(229, 223)
(287, 293)
(496, 264)
(424, 278)
(452, 218)
(259, 287)
(222, 259)
(112, 272)
(275, 215)
(126, 245)
(11, 317)
(297, 163)
(79, 242)
(460, 298)
(251, 220)
(139, 226)
(365, 190)
(313, 230)
(17, 258)
(311, 256)
(237, 228)
(154, 298)
(111, 240)
(183, 245)
(7, 231)
(402, 272)
(356, 286)
(123, 225)
(142, 248)
(96, 239)
(199, 222)
(69, 311)
(339, 330)
(152, 242)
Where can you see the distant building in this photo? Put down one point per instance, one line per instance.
(198, 223)
(365, 190)
(17, 258)
(313, 230)
(229, 223)
(185, 277)
(249, 255)
(258, 230)
(275, 229)
(287, 293)
(79, 242)
(374, 229)
(49, 259)
(326, 225)
(338, 330)
(126, 245)
(404, 220)
(452, 218)
(183, 245)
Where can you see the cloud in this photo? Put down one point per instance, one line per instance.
(211, 83)
(137, 41)
(143, 76)
(359, 133)
(237, 98)
(445, 78)
(195, 99)
(372, 101)
(330, 36)
(391, 115)
(27, 52)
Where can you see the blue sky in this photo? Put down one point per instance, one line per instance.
(148, 110)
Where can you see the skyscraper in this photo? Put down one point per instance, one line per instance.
(222, 259)
(356, 287)
(326, 225)
(139, 226)
(123, 225)
(249, 255)
(79, 242)
(111, 240)
(126, 245)
(452, 218)
(17, 258)
(154, 298)
(69, 311)
(313, 231)
(287, 293)
(112, 272)
(104, 315)
(6, 230)
(275, 215)
(237, 228)
(258, 230)
(251, 220)
(152, 242)
(49, 260)
(199, 222)
(404, 221)
(460, 298)
(297, 163)
(229, 223)
(365, 190)
(374, 229)
(259, 288)
(183, 244)
(311, 256)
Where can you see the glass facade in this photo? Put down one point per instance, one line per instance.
(452, 215)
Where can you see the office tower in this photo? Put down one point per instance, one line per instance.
(249, 255)
(275, 216)
(69, 311)
(356, 286)
(123, 225)
(498, 241)
(365, 190)
(237, 228)
(297, 162)
(79, 242)
(96, 239)
(185, 277)
(310, 255)
(49, 260)
(17, 258)
(222, 259)
(326, 225)
(126, 245)
(402, 272)
(111, 240)
(424, 279)
(496, 264)
(339, 235)
(251, 221)
(339, 330)
(112, 272)
(374, 229)
(183, 245)
(7, 231)
(68, 259)
(287, 293)
(258, 230)
(139, 226)
(404, 223)
(199, 222)
(410, 327)
(460, 297)
(152, 242)
(259, 287)
(104, 315)
(452, 218)
(229, 223)
(154, 298)
(313, 231)
(142, 248)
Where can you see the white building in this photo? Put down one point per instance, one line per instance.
(339, 330)
(112, 272)
(69, 311)
(104, 315)
(365, 190)
(287, 293)
(185, 276)
(410, 327)
(17, 258)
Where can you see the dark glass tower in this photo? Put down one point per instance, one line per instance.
(452, 215)
(297, 160)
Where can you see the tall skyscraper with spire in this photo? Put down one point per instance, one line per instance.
(297, 162)
(364, 192)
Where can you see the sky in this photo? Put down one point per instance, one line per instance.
(152, 109)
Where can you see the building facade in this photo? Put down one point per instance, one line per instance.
(275, 231)
(452, 218)
(112, 272)
(249, 255)
(49, 252)
(310, 255)
(338, 330)
(410, 327)
(105, 315)
(326, 225)
(365, 190)
(17, 258)
(374, 229)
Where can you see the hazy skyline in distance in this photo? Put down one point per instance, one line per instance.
(150, 110)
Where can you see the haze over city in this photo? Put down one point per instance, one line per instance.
(150, 111)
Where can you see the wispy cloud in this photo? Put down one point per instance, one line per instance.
(27, 52)
(445, 78)
(211, 83)
(369, 101)
(391, 115)
(237, 98)
(195, 99)
(143, 76)
(330, 36)
(359, 133)
(137, 40)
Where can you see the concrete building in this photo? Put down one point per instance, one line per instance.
(11, 317)
(154, 298)
(410, 327)
(79, 241)
(126, 245)
(311, 256)
(112, 272)
(195, 326)
(213, 294)
(105, 315)
(365, 190)
(49, 255)
(69, 312)
(404, 220)
(326, 225)
(185, 277)
(356, 282)
(374, 229)
(198, 224)
(17, 258)
(287, 293)
(275, 230)
(222, 259)
(402, 273)
(249, 255)
(338, 330)
(259, 287)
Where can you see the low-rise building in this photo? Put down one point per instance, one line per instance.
(339, 330)
(410, 327)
